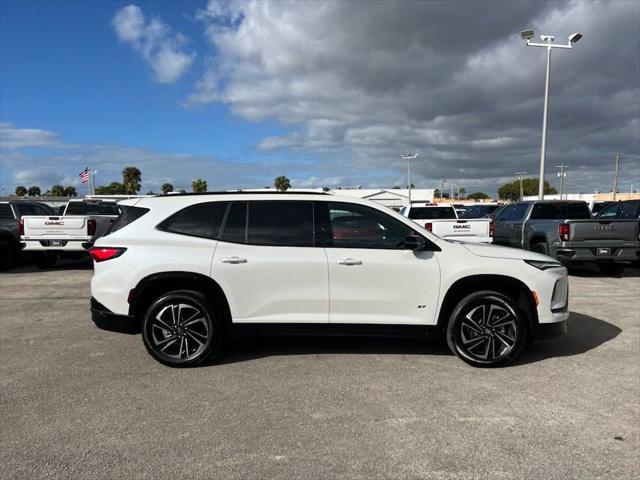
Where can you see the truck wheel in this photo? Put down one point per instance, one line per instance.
(487, 329)
(182, 329)
(540, 247)
(611, 268)
(7, 255)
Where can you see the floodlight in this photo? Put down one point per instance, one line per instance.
(527, 34)
(573, 38)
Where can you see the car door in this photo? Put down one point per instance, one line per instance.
(372, 278)
(501, 234)
(268, 265)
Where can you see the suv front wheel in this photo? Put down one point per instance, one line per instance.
(182, 328)
(487, 329)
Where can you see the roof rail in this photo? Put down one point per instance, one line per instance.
(243, 192)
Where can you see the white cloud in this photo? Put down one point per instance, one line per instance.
(155, 41)
(13, 138)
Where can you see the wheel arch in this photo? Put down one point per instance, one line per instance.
(151, 287)
(537, 238)
(509, 286)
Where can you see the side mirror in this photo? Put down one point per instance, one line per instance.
(414, 242)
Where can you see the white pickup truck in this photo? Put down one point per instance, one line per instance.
(82, 222)
(443, 220)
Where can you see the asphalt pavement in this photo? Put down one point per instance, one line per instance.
(78, 402)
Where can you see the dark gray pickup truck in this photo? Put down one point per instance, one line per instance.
(566, 231)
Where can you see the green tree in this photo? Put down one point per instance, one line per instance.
(396, 187)
(461, 192)
(114, 188)
(70, 191)
(34, 191)
(131, 178)
(166, 188)
(511, 191)
(282, 183)
(21, 191)
(57, 191)
(199, 185)
(478, 196)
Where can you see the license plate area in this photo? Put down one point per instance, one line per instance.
(603, 251)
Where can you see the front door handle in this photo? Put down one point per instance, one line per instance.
(349, 261)
(234, 260)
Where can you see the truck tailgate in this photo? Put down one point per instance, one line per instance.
(598, 230)
(44, 228)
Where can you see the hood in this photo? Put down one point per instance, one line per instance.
(496, 251)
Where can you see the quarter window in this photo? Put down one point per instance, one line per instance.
(280, 223)
(200, 220)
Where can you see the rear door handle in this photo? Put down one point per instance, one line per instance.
(234, 260)
(349, 261)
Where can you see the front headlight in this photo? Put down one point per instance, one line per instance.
(542, 265)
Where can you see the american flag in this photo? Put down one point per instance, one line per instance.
(84, 175)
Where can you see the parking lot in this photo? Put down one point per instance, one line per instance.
(78, 402)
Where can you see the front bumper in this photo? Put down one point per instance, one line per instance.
(545, 331)
(105, 319)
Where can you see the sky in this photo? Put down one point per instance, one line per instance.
(327, 93)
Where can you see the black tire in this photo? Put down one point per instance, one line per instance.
(540, 247)
(487, 329)
(8, 254)
(611, 268)
(182, 328)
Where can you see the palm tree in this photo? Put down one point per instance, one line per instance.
(21, 191)
(166, 188)
(34, 191)
(282, 183)
(131, 178)
(199, 185)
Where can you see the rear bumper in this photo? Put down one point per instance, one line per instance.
(105, 319)
(66, 246)
(573, 253)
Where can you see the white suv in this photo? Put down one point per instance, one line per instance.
(186, 270)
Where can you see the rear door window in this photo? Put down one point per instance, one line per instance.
(279, 223)
(200, 220)
(235, 227)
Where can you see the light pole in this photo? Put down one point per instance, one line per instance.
(548, 44)
(521, 177)
(408, 158)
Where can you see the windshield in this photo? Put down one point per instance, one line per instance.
(432, 213)
(93, 208)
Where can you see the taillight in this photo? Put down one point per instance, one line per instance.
(429, 226)
(91, 227)
(21, 226)
(492, 229)
(563, 231)
(100, 254)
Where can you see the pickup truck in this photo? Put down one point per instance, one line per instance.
(10, 214)
(443, 221)
(81, 224)
(566, 231)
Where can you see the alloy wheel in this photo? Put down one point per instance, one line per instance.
(488, 332)
(179, 331)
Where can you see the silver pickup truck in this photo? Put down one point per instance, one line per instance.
(566, 231)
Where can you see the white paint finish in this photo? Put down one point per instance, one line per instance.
(382, 286)
(273, 284)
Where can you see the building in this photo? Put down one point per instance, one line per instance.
(394, 198)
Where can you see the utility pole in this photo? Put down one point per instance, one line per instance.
(521, 177)
(408, 158)
(442, 188)
(561, 174)
(615, 177)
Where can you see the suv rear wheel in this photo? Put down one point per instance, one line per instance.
(182, 328)
(487, 329)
